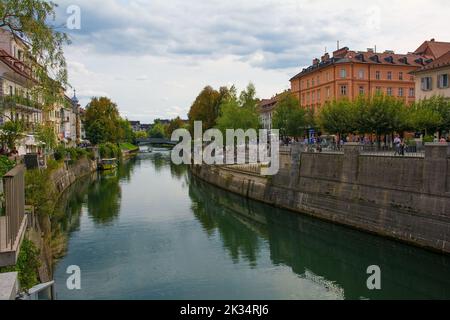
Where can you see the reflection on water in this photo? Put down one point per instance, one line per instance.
(151, 231)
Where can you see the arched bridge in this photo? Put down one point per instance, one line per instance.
(156, 141)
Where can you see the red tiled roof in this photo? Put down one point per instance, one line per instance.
(387, 58)
(15, 65)
(443, 61)
(433, 49)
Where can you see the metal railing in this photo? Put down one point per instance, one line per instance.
(387, 151)
(14, 196)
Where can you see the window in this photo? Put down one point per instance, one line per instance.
(361, 74)
(412, 92)
(328, 76)
(389, 91)
(361, 90)
(313, 97)
(378, 90)
(378, 75)
(11, 90)
(307, 84)
(389, 75)
(400, 76)
(318, 95)
(343, 90)
(426, 83)
(443, 81)
(328, 92)
(318, 80)
(400, 92)
(343, 73)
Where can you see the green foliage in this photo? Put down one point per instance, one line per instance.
(175, 124)
(102, 121)
(46, 135)
(5, 165)
(431, 115)
(141, 135)
(11, 132)
(337, 117)
(238, 113)
(127, 133)
(158, 130)
(39, 191)
(74, 154)
(128, 146)
(206, 107)
(289, 117)
(32, 22)
(109, 150)
(27, 265)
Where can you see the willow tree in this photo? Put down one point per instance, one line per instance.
(32, 23)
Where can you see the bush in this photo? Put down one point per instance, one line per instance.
(27, 265)
(109, 150)
(5, 165)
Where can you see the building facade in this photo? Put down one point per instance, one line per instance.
(349, 74)
(433, 79)
(19, 102)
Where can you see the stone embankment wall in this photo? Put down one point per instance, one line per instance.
(407, 199)
(65, 176)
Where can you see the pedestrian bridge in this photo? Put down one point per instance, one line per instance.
(156, 141)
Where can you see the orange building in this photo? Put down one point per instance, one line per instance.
(349, 74)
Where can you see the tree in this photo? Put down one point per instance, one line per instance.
(158, 130)
(126, 133)
(431, 115)
(102, 121)
(247, 99)
(337, 117)
(29, 21)
(379, 114)
(46, 135)
(289, 117)
(175, 124)
(234, 115)
(11, 132)
(424, 117)
(205, 108)
(141, 135)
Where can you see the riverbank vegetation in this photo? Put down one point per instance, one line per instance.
(27, 266)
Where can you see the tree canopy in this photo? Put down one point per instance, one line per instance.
(103, 122)
(30, 22)
(289, 117)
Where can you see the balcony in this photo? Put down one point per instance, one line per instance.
(21, 102)
(13, 222)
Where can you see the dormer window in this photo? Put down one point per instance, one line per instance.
(375, 59)
(389, 59)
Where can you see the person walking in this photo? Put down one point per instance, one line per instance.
(397, 142)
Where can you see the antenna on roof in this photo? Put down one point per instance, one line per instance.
(338, 44)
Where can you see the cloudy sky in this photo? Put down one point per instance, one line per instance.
(152, 57)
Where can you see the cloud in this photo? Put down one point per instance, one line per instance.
(143, 51)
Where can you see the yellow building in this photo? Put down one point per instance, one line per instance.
(433, 79)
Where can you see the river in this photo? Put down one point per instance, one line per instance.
(151, 231)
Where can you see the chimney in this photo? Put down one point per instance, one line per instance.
(316, 61)
(325, 57)
(340, 53)
(370, 50)
(433, 40)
